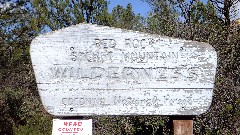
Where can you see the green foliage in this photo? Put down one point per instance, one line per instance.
(11, 101)
(126, 19)
(15, 30)
(130, 125)
(163, 19)
(35, 125)
(20, 107)
(53, 15)
(20, 116)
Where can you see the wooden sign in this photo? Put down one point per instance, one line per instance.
(96, 70)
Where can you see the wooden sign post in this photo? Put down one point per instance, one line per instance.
(97, 70)
(182, 125)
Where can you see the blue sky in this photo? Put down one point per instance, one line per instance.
(138, 6)
(143, 8)
(238, 7)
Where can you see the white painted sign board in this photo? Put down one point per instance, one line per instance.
(97, 70)
(72, 127)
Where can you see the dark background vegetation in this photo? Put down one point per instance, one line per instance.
(20, 108)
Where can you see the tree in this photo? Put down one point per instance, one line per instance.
(17, 86)
(22, 20)
(204, 23)
(53, 15)
(227, 10)
(16, 30)
(163, 18)
(125, 18)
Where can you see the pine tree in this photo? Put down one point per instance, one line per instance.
(126, 18)
(53, 15)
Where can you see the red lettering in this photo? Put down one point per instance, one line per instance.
(79, 123)
(65, 123)
(75, 124)
(70, 123)
(79, 129)
(59, 129)
(68, 129)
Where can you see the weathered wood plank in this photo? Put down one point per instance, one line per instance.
(96, 70)
(183, 127)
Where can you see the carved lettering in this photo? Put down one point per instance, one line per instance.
(127, 56)
(126, 73)
(145, 42)
(79, 102)
(148, 56)
(97, 72)
(94, 70)
(73, 54)
(113, 72)
(105, 43)
(154, 101)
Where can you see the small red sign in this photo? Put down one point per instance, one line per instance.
(72, 127)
